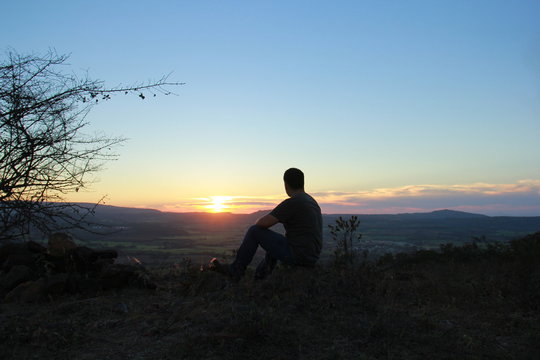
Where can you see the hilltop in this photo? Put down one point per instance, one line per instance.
(463, 302)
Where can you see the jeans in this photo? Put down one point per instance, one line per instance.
(275, 244)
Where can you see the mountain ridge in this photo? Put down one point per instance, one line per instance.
(441, 213)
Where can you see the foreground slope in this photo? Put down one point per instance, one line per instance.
(461, 303)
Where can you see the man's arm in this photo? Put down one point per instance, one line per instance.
(266, 221)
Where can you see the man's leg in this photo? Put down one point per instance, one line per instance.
(275, 244)
(265, 267)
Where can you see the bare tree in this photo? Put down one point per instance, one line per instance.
(44, 153)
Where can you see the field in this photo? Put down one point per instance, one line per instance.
(199, 246)
(156, 238)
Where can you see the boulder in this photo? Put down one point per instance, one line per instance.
(16, 275)
(85, 260)
(29, 291)
(81, 259)
(56, 284)
(123, 275)
(23, 253)
(79, 284)
(35, 247)
(100, 264)
(60, 244)
(57, 264)
(15, 259)
(38, 290)
(29, 272)
(11, 248)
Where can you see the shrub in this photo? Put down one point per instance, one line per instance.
(344, 235)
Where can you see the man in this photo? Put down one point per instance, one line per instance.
(301, 216)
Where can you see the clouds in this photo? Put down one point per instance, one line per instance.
(235, 204)
(519, 199)
(521, 186)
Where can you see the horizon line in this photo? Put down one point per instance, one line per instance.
(142, 207)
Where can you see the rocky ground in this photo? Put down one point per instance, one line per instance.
(31, 272)
(460, 303)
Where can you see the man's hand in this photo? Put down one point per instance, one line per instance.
(266, 221)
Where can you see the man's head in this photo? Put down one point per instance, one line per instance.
(294, 180)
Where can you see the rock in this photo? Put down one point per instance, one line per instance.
(56, 284)
(33, 273)
(24, 253)
(101, 264)
(25, 258)
(29, 291)
(60, 244)
(78, 284)
(16, 275)
(123, 275)
(35, 248)
(84, 260)
(81, 259)
(11, 248)
(57, 264)
(117, 276)
(38, 290)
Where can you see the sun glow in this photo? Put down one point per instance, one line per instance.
(218, 204)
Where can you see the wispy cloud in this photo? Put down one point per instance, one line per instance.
(521, 186)
(236, 204)
(520, 198)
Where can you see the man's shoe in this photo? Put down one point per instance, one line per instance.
(224, 269)
(218, 267)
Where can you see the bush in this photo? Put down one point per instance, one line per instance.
(344, 235)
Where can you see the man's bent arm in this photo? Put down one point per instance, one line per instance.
(266, 221)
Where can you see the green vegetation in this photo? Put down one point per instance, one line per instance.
(471, 301)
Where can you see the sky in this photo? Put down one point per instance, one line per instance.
(386, 106)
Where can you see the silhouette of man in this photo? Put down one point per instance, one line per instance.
(300, 215)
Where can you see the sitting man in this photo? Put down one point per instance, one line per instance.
(301, 216)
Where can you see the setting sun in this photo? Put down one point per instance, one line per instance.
(218, 204)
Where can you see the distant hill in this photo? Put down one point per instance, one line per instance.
(439, 225)
(157, 236)
(119, 212)
(445, 214)
(434, 215)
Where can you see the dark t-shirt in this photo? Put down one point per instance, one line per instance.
(302, 219)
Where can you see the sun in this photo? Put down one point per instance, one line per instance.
(218, 204)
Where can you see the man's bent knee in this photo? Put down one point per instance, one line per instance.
(255, 229)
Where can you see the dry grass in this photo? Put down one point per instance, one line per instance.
(462, 303)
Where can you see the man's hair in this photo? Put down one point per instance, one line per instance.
(294, 178)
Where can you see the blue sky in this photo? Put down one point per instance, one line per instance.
(367, 97)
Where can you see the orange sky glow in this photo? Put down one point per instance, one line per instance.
(520, 198)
